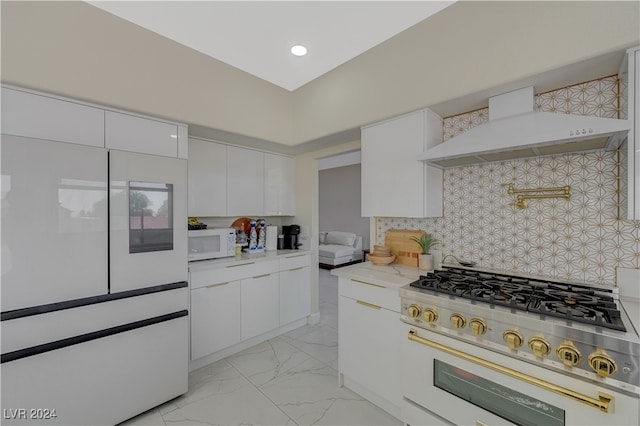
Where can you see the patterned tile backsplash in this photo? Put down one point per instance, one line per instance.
(577, 239)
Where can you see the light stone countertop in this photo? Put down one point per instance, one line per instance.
(244, 257)
(391, 276)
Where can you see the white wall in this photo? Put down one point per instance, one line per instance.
(468, 47)
(77, 50)
(307, 196)
(340, 202)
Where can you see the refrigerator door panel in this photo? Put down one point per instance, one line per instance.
(54, 222)
(148, 220)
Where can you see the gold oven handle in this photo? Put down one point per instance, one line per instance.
(604, 402)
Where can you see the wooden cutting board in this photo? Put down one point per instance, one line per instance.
(400, 243)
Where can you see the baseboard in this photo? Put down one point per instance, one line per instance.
(313, 318)
(231, 350)
(372, 397)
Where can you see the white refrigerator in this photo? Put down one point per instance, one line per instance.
(94, 290)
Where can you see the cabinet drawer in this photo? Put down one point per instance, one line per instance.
(375, 294)
(294, 261)
(42, 117)
(232, 272)
(136, 134)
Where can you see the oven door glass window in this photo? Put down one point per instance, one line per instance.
(514, 406)
(150, 217)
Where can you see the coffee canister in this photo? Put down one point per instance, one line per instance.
(272, 238)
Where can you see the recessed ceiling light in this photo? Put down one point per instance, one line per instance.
(299, 50)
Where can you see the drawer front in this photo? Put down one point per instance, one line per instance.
(294, 261)
(376, 294)
(232, 272)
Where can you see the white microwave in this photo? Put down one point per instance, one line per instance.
(212, 243)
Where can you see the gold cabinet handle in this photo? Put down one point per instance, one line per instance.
(217, 285)
(295, 255)
(296, 269)
(364, 282)
(604, 402)
(241, 264)
(368, 305)
(262, 276)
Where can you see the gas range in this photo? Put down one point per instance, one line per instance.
(577, 328)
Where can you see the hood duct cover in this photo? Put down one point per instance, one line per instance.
(515, 130)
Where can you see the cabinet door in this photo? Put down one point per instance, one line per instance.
(369, 341)
(136, 134)
(279, 185)
(41, 117)
(245, 174)
(207, 178)
(260, 305)
(295, 294)
(394, 182)
(215, 318)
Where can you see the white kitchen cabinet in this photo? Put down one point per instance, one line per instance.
(215, 317)
(369, 339)
(260, 305)
(245, 188)
(42, 117)
(279, 185)
(394, 183)
(207, 178)
(295, 288)
(630, 74)
(132, 133)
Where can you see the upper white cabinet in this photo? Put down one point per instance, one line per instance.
(42, 117)
(394, 183)
(279, 188)
(245, 190)
(630, 74)
(207, 178)
(136, 134)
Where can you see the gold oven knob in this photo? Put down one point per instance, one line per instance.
(602, 364)
(457, 320)
(430, 315)
(513, 338)
(478, 326)
(414, 311)
(539, 346)
(569, 354)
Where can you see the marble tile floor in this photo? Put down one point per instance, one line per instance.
(289, 380)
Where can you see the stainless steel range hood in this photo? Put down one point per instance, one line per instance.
(515, 130)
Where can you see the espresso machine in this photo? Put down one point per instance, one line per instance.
(291, 233)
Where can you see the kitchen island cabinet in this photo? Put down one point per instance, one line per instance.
(240, 301)
(394, 183)
(370, 331)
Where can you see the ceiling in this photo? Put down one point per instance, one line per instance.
(256, 36)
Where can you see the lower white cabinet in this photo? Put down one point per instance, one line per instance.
(236, 301)
(260, 305)
(215, 318)
(370, 334)
(295, 294)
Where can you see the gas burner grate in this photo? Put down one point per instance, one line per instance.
(570, 302)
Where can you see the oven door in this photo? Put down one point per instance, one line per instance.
(466, 384)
